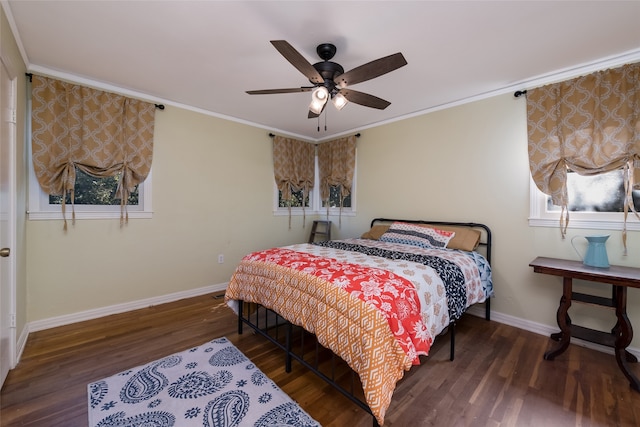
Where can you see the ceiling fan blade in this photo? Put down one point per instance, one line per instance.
(364, 99)
(273, 91)
(297, 60)
(371, 70)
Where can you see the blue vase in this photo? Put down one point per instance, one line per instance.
(596, 255)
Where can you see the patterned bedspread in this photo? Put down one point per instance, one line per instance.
(375, 304)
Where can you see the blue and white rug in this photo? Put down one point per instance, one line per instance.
(212, 385)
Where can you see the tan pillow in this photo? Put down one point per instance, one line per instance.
(466, 239)
(376, 232)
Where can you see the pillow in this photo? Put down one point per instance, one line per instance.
(465, 238)
(412, 234)
(376, 232)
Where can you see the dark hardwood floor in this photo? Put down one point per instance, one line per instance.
(498, 377)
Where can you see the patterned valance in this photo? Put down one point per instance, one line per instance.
(100, 133)
(293, 167)
(590, 125)
(336, 164)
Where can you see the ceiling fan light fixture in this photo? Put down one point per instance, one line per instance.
(318, 98)
(339, 101)
(320, 94)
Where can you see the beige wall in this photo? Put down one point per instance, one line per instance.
(469, 163)
(212, 193)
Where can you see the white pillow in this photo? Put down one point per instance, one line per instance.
(415, 235)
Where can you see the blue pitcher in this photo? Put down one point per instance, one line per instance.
(596, 255)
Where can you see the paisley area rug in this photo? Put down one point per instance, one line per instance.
(213, 385)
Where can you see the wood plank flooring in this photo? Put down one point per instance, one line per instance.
(498, 377)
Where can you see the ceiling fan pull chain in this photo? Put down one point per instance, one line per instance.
(325, 121)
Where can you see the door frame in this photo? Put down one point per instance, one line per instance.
(12, 215)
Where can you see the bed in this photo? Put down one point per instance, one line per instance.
(376, 302)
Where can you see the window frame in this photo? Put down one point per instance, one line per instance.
(539, 216)
(41, 209)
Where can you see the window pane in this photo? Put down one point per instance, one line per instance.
(296, 200)
(334, 198)
(596, 193)
(90, 190)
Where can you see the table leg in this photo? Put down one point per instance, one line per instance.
(616, 329)
(564, 322)
(624, 335)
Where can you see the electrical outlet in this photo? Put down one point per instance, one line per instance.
(12, 320)
(220, 258)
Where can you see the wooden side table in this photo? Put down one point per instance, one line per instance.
(620, 278)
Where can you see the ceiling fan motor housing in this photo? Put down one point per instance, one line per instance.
(327, 69)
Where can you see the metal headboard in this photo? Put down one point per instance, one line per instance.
(485, 238)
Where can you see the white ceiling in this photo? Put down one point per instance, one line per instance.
(204, 55)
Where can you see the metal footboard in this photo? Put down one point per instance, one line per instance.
(303, 347)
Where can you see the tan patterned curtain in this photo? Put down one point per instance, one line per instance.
(293, 167)
(100, 133)
(589, 125)
(336, 166)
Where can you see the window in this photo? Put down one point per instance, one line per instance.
(42, 206)
(313, 203)
(88, 189)
(93, 197)
(45, 207)
(334, 198)
(296, 200)
(595, 202)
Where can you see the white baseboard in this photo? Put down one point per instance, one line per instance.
(540, 329)
(53, 322)
(476, 310)
(68, 319)
(22, 342)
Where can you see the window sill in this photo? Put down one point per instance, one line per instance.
(632, 225)
(298, 212)
(38, 216)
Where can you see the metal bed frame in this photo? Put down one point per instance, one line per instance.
(300, 345)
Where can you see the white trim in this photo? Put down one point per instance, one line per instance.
(44, 71)
(628, 57)
(540, 217)
(541, 329)
(53, 322)
(13, 238)
(67, 319)
(541, 80)
(22, 342)
(40, 209)
(583, 224)
(11, 219)
(14, 31)
(476, 310)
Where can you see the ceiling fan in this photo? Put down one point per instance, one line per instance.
(329, 79)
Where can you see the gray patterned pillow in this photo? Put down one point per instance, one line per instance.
(410, 234)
